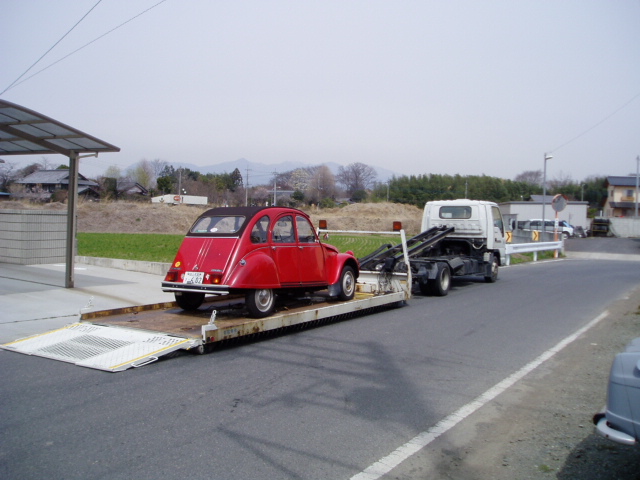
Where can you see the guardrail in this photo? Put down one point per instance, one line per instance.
(535, 247)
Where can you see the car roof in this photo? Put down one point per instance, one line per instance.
(248, 212)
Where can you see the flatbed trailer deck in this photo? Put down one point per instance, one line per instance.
(116, 340)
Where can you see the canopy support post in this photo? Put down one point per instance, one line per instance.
(72, 205)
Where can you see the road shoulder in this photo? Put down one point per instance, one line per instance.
(541, 427)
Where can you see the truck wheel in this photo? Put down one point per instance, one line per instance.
(260, 303)
(189, 300)
(440, 285)
(347, 284)
(493, 276)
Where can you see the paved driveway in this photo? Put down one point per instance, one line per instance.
(605, 245)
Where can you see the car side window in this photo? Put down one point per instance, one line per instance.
(283, 230)
(259, 230)
(306, 234)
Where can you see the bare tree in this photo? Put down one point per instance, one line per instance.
(28, 170)
(260, 195)
(356, 176)
(560, 181)
(142, 173)
(112, 172)
(532, 177)
(322, 185)
(158, 167)
(6, 174)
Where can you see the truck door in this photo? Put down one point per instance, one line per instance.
(498, 232)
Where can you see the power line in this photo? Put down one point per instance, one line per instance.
(52, 47)
(597, 124)
(15, 84)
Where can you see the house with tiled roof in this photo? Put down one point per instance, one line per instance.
(41, 185)
(622, 196)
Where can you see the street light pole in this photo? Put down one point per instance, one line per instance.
(637, 177)
(544, 188)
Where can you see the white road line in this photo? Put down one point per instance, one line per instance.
(395, 458)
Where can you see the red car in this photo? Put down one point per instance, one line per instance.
(257, 251)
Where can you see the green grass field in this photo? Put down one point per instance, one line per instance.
(130, 246)
(152, 247)
(162, 248)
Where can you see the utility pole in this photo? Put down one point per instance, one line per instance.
(275, 178)
(246, 190)
(544, 188)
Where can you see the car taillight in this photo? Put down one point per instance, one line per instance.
(171, 277)
(215, 279)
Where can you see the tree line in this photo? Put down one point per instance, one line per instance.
(318, 185)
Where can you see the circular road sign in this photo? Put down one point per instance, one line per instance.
(559, 202)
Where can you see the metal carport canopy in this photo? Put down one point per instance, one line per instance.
(26, 132)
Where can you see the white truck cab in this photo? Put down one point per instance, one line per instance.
(472, 219)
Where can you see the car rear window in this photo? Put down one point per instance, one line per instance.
(458, 212)
(218, 224)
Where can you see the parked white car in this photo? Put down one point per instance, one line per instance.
(564, 228)
(620, 421)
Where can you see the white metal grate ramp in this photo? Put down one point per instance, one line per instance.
(100, 347)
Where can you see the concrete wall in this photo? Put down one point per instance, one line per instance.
(30, 237)
(625, 227)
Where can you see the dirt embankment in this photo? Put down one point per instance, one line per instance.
(137, 217)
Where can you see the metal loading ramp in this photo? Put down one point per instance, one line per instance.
(100, 347)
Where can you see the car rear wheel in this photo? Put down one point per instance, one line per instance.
(347, 284)
(261, 302)
(189, 300)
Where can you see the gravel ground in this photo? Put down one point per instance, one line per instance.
(542, 428)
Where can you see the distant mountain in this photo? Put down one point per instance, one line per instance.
(263, 169)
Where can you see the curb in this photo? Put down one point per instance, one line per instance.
(153, 268)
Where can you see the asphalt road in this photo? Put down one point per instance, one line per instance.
(318, 404)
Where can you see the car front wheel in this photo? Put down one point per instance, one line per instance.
(261, 302)
(347, 284)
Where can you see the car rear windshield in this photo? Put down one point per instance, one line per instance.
(220, 225)
(457, 212)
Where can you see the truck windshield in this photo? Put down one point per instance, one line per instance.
(459, 212)
(218, 224)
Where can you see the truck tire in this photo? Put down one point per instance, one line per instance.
(260, 302)
(347, 284)
(189, 300)
(493, 275)
(440, 285)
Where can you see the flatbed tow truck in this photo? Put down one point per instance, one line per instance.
(459, 238)
(119, 339)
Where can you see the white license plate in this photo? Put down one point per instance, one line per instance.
(193, 277)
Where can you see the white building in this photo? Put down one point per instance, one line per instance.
(575, 213)
(178, 199)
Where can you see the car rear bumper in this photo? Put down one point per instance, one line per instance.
(195, 287)
(604, 428)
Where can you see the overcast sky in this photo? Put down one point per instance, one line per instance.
(463, 87)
